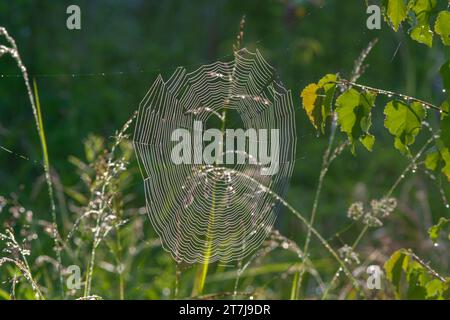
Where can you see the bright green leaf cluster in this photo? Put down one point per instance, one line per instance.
(396, 11)
(419, 14)
(404, 122)
(438, 159)
(318, 99)
(442, 27)
(353, 109)
(403, 118)
(411, 280)
(442, 226)
(422, 10)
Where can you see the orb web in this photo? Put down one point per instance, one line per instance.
(205, 213)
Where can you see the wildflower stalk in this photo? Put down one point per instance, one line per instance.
(103, 204)
(303, 220)
(35, 106)
(358, 70)
(22, 264)
(402, 176)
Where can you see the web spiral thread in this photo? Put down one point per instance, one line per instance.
(206, 213)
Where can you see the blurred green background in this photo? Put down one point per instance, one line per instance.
(91, 81)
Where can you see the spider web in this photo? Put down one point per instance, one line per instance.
(206, 213)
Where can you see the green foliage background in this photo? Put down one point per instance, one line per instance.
(132, 41)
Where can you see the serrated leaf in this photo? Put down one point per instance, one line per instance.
(396, 12)
(394, 268)
(439, 159)
(417, 278)
(445, 153)
(421, 31)
(404, 122)
(434, 289)
(411, 280)
(442, 225)
(432, 160)
(422, 34)
(368, 141)
(442, 27)
(309, 96)
(317, 100)
(354, 116)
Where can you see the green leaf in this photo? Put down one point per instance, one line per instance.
(438, 290)
(354, 116)
(445, 153)
(396, 11)
(404, 123)
(422, 10)
(394, 269)
(442, 27)
(417, 278)
(443, 225)
(317, 100)
(439, 159)
(309, 97)
(432, 160)
(411, 280)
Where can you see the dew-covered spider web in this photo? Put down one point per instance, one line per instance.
(213, 212)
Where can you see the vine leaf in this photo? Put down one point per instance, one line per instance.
(442, 225)
(318, 99)
(439, 157)
(411, 280)
(396, 11)
(354, 116)
(442, 27)
(393, 269)
(404, 122)
(421, 32)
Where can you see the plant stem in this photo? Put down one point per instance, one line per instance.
(299, 216)
(120, 266)
(36, 108)
(298, 278)
(388, 194)
(390, 94)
